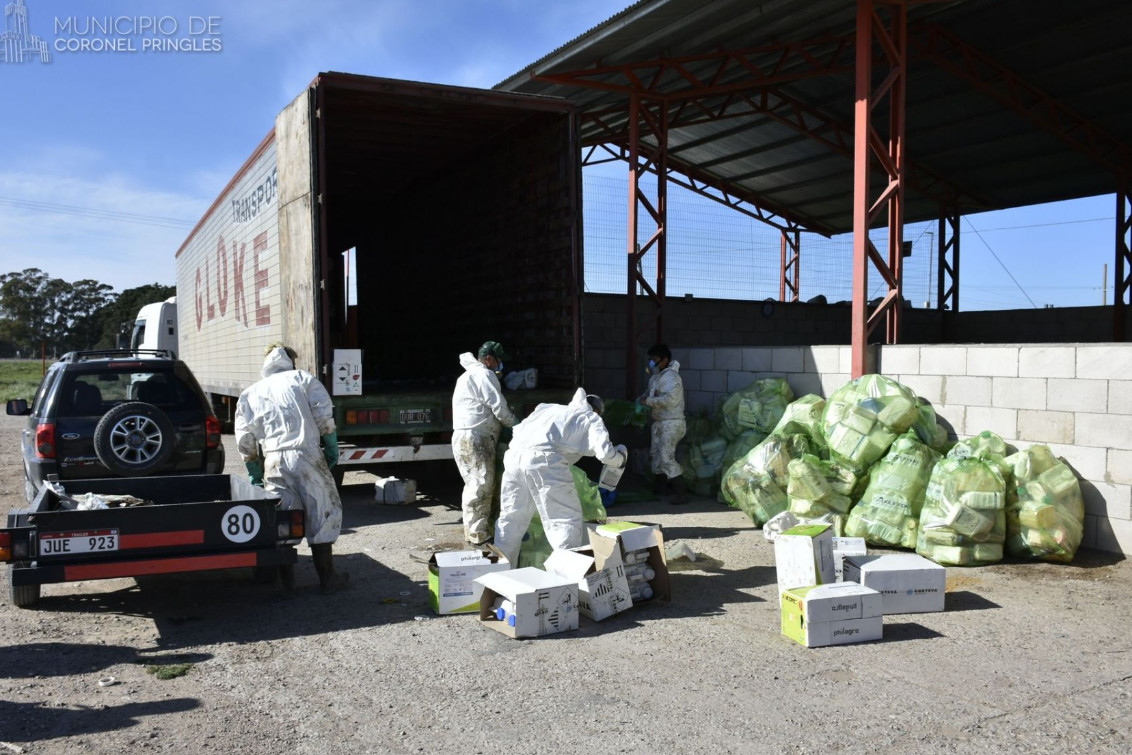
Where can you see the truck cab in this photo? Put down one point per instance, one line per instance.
(156, 327)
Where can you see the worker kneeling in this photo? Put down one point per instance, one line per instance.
(536, 472)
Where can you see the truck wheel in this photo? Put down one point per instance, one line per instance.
(339, 473)
(134, 439)
(22, 596)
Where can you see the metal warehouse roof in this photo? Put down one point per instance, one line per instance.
(1008, 103)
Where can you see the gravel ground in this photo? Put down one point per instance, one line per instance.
(1025, 658)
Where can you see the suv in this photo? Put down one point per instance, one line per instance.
(118, 414)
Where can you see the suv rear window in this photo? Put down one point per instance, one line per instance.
(85, 394)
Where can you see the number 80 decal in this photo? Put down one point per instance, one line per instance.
(240, 524)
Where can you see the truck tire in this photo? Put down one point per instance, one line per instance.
(339, 474)
(134, 439)
(22, 596)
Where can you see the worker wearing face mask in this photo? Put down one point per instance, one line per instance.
(665, 400)
(479, 412)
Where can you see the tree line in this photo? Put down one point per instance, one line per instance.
(38, 312)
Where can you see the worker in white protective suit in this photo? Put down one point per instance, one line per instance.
(665, 400)
(479, 412)
(536, 472)
(280, 421)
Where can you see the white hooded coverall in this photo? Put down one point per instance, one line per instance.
(665, 397)
(284, 414)
(536, 473)
(478, 412)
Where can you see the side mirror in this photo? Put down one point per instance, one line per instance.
(18, 407)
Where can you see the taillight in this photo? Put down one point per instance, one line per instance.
(211, 432)
(297, 529)
(351, 417)
(6, 546)
(45, 441)
(382, 416)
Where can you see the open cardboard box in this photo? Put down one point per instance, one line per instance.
(602, 591)
(451, 578)
(613, 540)
(541, 603)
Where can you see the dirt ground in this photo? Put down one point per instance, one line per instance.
(1025, 658)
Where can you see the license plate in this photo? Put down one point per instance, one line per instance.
(416, 416)
(64, 543)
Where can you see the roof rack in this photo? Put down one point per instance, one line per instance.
(82, 356)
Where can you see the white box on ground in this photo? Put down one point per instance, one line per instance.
(541, 603)
(846, 546)
(909, 583)
(803, 556)
(451, 578)
(630, 536)
(395, 491)
(602, 592)
(836, 602)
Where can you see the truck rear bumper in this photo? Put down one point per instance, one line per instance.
(389, 454)
(54, 573)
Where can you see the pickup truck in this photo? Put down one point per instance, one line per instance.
(130, 527)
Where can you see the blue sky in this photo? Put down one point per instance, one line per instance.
(110, 157)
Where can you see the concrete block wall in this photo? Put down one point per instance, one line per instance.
(1075, 398)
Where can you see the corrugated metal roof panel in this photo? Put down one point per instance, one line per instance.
(991, 154)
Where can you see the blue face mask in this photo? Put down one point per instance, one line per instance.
(651, 369)
(498, 367)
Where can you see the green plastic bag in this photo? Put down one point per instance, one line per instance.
(756, 484)
(1045, 512)
(888, 513)
(863, 418)
(963, 522)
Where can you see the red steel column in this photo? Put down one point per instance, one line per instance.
(791, 246)
(896, 151)
(632, 256)
(661, 218)
(862, 127)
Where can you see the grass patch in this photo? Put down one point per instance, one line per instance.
(19, 378)
(168, 670)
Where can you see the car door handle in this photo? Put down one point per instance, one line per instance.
(188, 428)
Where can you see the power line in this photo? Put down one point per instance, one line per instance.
(996, 259)
(94, 213)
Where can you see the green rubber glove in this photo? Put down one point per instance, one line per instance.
(330, 449)
(255, 472)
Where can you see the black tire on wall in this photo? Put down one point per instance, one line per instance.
(134, 439)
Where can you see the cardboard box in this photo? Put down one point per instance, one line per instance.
(803, 556)
(602, 592)
(542, 603)
(395, 491)
(846, 546)
(839, 601)
(451, 578)
(909, 583)
(615, 539)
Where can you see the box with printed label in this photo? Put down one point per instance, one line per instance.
(836, 614)
(528, 602)
(835, 602)
(602, 592)
(640, 548)
(842, 547)
(451, 578)
(908, 583)
(803, 556)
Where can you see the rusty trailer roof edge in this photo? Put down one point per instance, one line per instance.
(256, 153)
(378, 84)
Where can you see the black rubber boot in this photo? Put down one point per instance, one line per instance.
(329, 580)
(660, 484)
(287, 578)
(679, 497)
